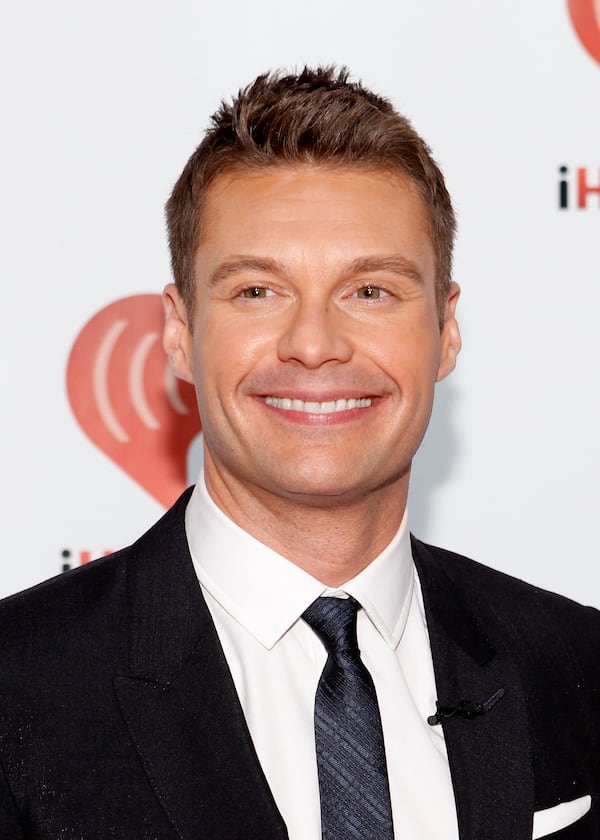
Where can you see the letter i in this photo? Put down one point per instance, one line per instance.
(66, 556)
(563, 189)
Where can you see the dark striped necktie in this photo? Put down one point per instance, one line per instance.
(353, 782)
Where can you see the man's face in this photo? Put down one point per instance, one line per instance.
(315, 342)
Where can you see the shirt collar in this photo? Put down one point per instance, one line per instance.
(267, 594)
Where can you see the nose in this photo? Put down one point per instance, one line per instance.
(314, 336)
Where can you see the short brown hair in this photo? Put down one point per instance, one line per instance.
(315, 117)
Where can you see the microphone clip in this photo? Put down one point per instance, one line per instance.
(465, 708)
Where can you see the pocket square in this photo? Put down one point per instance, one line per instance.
(553, 819)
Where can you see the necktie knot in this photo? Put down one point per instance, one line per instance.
(334, 621)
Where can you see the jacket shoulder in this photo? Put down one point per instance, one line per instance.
(478, 577)
(515, 615)
(87, 605)
(74, 609)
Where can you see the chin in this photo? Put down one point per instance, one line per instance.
(324, 499)
(329, 491)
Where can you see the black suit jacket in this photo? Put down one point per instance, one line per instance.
(119, 717)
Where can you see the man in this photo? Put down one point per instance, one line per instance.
(207, 681)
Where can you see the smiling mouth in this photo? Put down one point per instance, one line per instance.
(307, 407)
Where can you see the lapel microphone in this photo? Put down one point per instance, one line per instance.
(465, 708)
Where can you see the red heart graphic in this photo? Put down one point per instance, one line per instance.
(585, 15)
(126, 398)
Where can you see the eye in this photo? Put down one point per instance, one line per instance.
(370, 293)
(256, 292)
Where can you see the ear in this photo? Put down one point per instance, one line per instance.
(177, 336)
(450, 342)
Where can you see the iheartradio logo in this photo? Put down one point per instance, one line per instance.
(127, 400)
(585, 16)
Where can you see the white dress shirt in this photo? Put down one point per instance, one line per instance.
(256, 598)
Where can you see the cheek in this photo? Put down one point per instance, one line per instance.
(409, 355)
(228, 353)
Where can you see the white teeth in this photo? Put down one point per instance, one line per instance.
(330, 407)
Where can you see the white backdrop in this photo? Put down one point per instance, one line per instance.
(103, 103)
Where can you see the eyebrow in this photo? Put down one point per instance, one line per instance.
(393, 263)
(255, 265)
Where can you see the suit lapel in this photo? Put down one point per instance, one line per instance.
(180, 703)
(489, 754)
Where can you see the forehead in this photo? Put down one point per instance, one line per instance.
(310, 184)
(325, 210)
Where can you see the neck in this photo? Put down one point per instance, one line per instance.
(333, 542)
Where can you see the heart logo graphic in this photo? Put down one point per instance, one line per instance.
(126, 398)
(585, 16)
